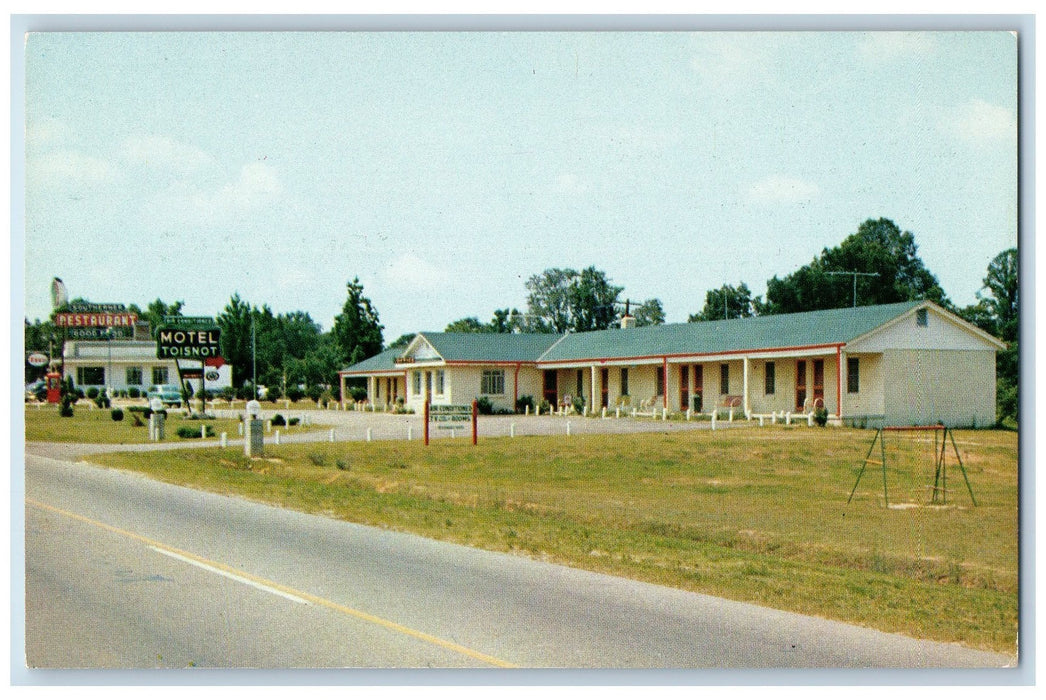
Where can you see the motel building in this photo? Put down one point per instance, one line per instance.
(911, 363)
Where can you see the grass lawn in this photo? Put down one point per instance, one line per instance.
(97, 426)
(754, 514)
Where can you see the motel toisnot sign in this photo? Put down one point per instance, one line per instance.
(897, 364)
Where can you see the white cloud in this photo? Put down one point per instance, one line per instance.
(883, 47)
(978, 121)
(47, 131)
(568, 183)
(69, 166)
(408, 271)
(782, 189)
(729, 59)
(257, 184)
(163, 152)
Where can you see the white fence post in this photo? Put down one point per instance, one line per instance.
(225, 440)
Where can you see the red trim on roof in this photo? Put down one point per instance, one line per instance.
(825, 346)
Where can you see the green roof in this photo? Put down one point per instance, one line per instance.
(382, 362)
(757, 333)
(811, 328)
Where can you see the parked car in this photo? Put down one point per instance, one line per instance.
(34, 390)
(169, 394)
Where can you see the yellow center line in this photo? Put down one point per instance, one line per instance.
(315, 600)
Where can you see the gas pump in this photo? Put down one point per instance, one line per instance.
(53, 382)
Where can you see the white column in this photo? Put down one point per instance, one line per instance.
(592, 397)
(744, 386)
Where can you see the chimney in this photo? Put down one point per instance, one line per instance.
(628, 321)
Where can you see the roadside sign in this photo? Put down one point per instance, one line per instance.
(449, 417)
(188, 344)
(37, 359)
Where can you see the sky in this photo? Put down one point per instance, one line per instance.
(444, 169)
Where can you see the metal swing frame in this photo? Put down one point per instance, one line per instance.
(939, 493)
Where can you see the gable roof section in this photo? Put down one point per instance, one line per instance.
(811, 328)
(384, 361)
(491, 347)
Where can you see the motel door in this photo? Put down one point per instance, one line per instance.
(800, 385)
(684, 387)
(604, 390)
(818, 382)
(698, 387)
(551, 390)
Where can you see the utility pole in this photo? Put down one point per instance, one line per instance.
(254, 360)
(855, 276)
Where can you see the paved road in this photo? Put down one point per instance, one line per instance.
(125, 572)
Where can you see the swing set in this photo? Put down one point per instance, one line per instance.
(939, 489)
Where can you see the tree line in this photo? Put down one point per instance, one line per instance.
(878, 264)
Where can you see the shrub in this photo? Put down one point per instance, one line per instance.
(273, 394)
(117, 414)
(314, 392)
(66, 409)
(102, 400)
(293, 421)
(295, 394)
(358, 393)
(278, 419)
(134, 392)
(188, 431)
(579, 404)
(318, 459)
(821, 416)
(524, 402)
(326, 397)
(484, 406)
(228, 393)
(92, 393)
(545, 406)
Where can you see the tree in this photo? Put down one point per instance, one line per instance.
(155, 312)
(593, 301)
(548, 301)
(878, 248)
(357, 331)
(562, 300)
(650, 313)
(504, 321)
(1004, 302)
(467, 325)
(727, 302)
(403, 341)
(235, 324)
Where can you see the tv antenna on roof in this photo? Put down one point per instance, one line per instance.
(855, 276)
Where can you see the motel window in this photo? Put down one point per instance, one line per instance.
(853, 375)
(921, 318)
(87, 376)
(440, 380)
(493, 382)
(159, 375)
(580, 382)
(417, 383)
(134, 376)
(659, 373)
(624, 381)
(724, 379)
(771, 378)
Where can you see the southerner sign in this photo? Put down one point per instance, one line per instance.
(188, 344)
